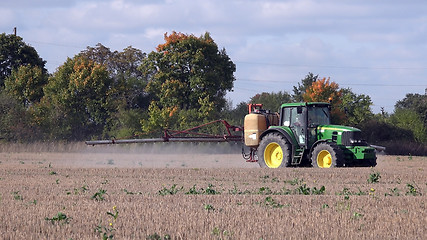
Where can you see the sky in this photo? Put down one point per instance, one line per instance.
(375, 47)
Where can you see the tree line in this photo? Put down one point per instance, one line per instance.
(100, 93)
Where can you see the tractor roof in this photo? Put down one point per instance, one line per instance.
(304, 104)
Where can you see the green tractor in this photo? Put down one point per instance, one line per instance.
(302, 135)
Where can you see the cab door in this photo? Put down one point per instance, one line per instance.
(295, 118)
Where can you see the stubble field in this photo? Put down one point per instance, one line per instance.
(141, 194)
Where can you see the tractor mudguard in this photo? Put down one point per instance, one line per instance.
(285, 131)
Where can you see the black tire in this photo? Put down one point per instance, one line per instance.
(274, 151)
(327, 155)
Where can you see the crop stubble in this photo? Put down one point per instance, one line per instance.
(245, 203)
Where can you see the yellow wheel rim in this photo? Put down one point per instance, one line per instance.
(324, 159)
(273, 155)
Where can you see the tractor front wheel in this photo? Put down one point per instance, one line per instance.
(274, 151)
(327, 155)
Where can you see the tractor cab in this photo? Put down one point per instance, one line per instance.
(303, 119)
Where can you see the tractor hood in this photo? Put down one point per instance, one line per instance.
(348, 136)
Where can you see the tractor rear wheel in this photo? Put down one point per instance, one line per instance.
(274, 151)
(327, 155)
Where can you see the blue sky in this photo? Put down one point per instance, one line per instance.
(377, 48)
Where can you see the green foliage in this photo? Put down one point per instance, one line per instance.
(169, 191)
(270, 202)
(415, 102)
(186, 73)
(410, 120)
(14, 53)
(237, 115)
(156, 236)
(208, 191)
(76, 100)
(107, 232)
(306, 83)
(99, 196)
(16, 123)
(356, 107)
(412, 190)
(26, 84)
(305, 190)
(271, 101)
(222, 234)
(17, 196)
(208, 207)
(59, 218)
(127, 80)
(374, 177)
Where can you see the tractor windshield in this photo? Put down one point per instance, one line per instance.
(318, 115)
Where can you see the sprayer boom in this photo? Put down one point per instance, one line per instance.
(189, 135)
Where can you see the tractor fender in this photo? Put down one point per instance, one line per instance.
(285, 132)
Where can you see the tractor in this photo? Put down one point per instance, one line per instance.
(302, 135)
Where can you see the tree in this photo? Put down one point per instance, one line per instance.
(415, 102)
(15, 53)
(26, 84)
(76, 103)
(356, 107)
(324, 91)
(408, 119)
(271, 101)
(15, 120)
(235, 116)
(307, 82)
(188, 73)
(127, 79)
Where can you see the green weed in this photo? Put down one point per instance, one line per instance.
(412, 190)
(393, 192)
(374, 177)
(156, 236)
(305, 190)
(171, 191)
(107, 232)
(131, 193)
(99, 196)
(235, 191)
(357, 215)
(59, 218)
(17, 196)
(270, 202)
(222, 234)
(208, 207)
(265, 191)
(208, 191)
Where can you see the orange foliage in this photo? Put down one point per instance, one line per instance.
(322, 91)
(172, 38)
(325, 91)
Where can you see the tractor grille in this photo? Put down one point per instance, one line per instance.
(353, 138)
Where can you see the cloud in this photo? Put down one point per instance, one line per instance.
(274, 43)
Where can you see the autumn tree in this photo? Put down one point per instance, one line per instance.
(322, 90)
(186, 73)
(76, 101)
(306, 83)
